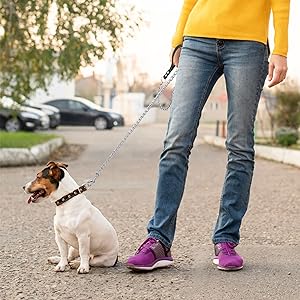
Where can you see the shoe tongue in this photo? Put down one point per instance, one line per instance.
(146, 247)
(228, 248)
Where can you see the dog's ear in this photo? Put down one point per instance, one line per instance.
(55, 170)
(57, 173)
(62, 165)
(51, 164)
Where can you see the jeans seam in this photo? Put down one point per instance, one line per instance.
(218, 50)
(258, 90)
(259, 86)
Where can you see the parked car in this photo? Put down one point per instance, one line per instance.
(82, 112)
(51, 111)
(15, 117)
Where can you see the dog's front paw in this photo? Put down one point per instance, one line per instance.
(83, 269)
(60, 267)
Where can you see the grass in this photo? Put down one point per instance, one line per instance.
(269, 142)
(23, 139)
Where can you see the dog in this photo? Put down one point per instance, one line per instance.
(83, 235)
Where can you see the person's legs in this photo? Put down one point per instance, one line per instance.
(245, 70)
(198, 71)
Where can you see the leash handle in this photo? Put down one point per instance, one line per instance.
(172, 64)
(169, 71)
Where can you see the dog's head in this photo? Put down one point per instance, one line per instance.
(46, 181)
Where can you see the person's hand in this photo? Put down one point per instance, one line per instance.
(277, 69)
(175, 56)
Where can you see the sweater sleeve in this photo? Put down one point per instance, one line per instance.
(185, 11)
(280, 10)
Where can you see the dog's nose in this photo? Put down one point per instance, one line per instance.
(24, 187)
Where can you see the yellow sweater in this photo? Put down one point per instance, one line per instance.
(234, 19)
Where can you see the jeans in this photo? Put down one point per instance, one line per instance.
(202, 61)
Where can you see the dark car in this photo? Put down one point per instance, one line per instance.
(15, 117)
(82, 112)
(51, 111)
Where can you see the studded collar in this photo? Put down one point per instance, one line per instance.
(69, 196)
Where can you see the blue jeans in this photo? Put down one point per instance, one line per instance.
(202, 61)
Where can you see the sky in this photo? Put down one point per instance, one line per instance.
(153, 43)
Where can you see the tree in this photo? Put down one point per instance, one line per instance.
(43, 38)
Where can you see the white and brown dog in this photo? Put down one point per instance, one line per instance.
(80, 228)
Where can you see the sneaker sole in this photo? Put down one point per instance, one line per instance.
(216, 262)
(158, 264)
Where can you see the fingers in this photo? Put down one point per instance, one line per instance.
(175, 55)
(277, 76)
(277, 70)
(271, 70)
(283, 75)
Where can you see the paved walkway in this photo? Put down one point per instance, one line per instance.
(125, 192)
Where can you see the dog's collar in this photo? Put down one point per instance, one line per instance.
(69, 196)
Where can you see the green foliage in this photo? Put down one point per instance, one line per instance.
(288, 107)
(286, 136)
(23, 139)
(41, 38)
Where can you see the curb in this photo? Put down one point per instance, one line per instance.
(282, 155)
(12, 157)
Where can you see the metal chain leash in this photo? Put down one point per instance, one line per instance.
(162, 87)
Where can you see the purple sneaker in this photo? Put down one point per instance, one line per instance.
(226, 257)
(152, 254)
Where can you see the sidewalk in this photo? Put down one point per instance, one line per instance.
(39, 153)
(28, 156)
(282, 155)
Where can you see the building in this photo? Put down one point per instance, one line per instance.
(56, 89)
(215, 108)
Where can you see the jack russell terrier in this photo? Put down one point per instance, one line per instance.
(81, 231)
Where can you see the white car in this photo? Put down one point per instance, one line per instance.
(15, 117)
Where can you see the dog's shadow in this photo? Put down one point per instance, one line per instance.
(120, 267)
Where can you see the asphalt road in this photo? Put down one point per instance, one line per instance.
(125, 195)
